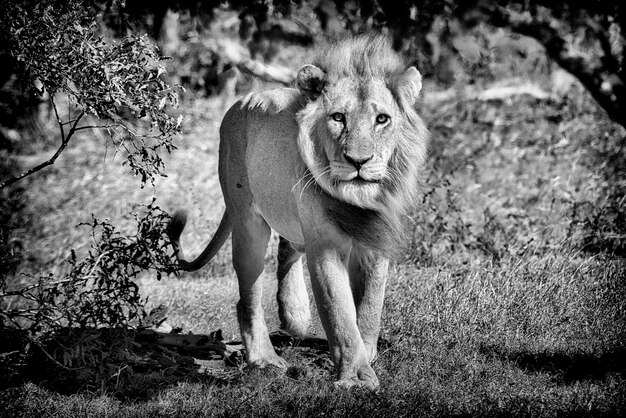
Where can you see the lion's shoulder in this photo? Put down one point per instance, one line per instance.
(274, 101)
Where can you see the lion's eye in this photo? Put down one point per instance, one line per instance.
(382, 118)
(338, 117)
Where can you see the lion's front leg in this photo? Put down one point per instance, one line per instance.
(333, 296)
(368, 276)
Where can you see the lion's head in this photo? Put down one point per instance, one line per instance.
(360, 136)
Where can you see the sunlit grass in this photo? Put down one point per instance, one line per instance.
(540, 337)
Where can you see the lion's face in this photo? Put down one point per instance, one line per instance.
(351, 136)
(358, 128)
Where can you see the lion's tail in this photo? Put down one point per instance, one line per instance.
(175, 229)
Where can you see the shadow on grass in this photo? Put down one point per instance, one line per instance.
(135, 364)
(566, 368)
(126, 363)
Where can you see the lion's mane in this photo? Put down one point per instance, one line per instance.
(381, 229)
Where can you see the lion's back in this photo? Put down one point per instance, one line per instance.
(273, 101)
(261, 114)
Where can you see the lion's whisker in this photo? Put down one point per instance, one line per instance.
(312, 180)
(305, 175)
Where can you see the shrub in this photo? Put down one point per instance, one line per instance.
(58, 53)
(99, 290)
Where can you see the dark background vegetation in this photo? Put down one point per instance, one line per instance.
(510, 299)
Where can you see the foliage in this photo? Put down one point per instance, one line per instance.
(99, 290)
(603, 222)
(585, 38)
(8, 260)
(81, 325)
(117, 86)
(58, 52)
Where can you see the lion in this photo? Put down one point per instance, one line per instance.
(332, 166)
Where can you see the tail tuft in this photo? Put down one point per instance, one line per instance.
(175, 229)
(176, 226)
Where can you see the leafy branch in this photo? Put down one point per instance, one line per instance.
(99, 290)
(65, 139)
(59, 53)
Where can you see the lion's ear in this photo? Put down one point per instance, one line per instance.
(410, 84)
(311, 80)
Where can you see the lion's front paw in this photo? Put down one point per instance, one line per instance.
(365, 377)
(270, 360)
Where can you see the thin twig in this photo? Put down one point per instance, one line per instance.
(24, 313)
(25, 289)
(43, 350)
(95, 265)
(11, 318)
(108, 127)
(65, 139)
(56, 113)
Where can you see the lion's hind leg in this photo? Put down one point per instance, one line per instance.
(292, 296)
(250, 237)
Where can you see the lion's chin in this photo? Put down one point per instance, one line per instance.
(359, 192)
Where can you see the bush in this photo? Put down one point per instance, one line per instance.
(99, 290)
(58, 53)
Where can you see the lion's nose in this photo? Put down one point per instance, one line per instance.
(357, 162)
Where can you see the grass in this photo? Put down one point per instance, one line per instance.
(511, 300)
(542, 339)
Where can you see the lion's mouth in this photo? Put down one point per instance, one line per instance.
(360, 181)
(358, 191)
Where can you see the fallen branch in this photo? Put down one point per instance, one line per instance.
(203, 346)
(506, 92)
(280, 339)
(493, 93)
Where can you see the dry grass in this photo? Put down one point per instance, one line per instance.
(543, 337)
